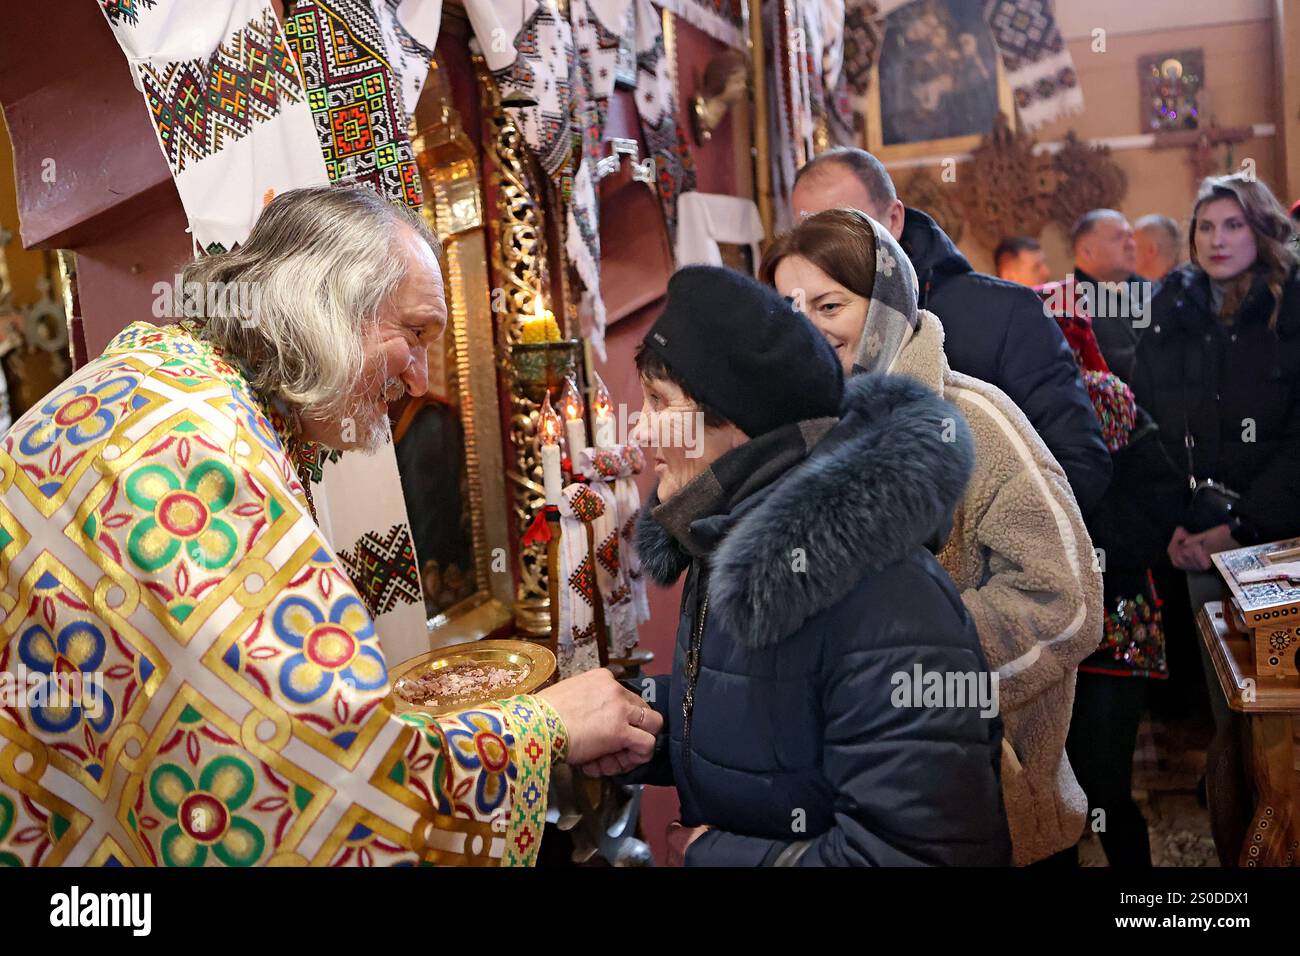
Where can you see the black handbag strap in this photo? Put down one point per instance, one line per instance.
(1188, 441)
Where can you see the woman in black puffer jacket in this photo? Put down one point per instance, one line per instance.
(805, 726)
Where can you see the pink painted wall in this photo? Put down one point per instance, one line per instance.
(89, 174)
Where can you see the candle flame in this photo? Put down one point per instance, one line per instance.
(550, 423)
(601, 404)
(571, 402)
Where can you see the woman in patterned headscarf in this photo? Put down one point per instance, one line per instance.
(1018, 550)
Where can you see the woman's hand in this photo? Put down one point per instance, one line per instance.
(1191, 552)
(679, 840)
(1219, 538)
(611, 730)
(1184, 554)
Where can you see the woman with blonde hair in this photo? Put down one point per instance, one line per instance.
(1017, 550)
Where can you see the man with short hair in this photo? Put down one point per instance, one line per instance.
(1113, 295)
(994, 330)
(1159, 246)
(1020, 259)
(203, 685)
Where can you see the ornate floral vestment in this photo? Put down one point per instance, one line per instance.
(189, 677)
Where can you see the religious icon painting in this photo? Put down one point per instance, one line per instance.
(1171, 85)
(938, 84)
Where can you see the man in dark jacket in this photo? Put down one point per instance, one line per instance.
(829, 702)
(1117, 298)
(993, 330)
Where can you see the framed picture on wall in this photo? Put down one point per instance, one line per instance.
(1171, 89)
(938, 83)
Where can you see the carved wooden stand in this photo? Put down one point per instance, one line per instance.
(1271, 705)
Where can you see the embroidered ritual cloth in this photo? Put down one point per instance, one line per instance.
(720, 19)
(612, 473)
(190, 677)
(355, 97)
(656, 107)
(576, 633)
(410, 31)
(1039, 66)
(228, 104)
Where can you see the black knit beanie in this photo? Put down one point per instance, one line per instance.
(745, 351)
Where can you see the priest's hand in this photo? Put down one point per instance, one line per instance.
(611, 730)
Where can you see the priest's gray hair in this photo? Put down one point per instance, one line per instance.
(312, 279)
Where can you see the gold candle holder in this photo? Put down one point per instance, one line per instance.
(543, 367)
(538, 369)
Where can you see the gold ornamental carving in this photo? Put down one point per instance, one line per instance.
(518, 251)
(453, 208)
(937, 199)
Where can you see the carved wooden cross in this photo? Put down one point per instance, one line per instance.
(1200, 144)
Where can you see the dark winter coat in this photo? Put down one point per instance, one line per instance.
(1117, 335)
(997, 331)
(1236, 387)
(821, 603)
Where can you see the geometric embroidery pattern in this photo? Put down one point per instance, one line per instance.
(535, 726)
(1039, 67)
(583, 582)
(543, 70)
(1025, 31)
(354, 98)
(587, 505)
(607, 554)
(383, 569)
(125, 10)
(200, 105)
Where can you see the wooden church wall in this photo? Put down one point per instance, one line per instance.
(1248, 51)
(89, 174)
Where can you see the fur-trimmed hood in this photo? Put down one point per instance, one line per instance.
(881, 482)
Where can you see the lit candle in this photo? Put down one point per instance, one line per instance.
(575, 429)
(603, 412)
(550, 438)
(540, 326)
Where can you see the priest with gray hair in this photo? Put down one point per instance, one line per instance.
(198, 681)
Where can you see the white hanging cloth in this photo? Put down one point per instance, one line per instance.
(706, 219)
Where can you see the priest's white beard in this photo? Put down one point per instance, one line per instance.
(378, 432)
(374, 430)
(361, 425)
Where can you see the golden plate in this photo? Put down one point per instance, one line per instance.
(539, 661)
